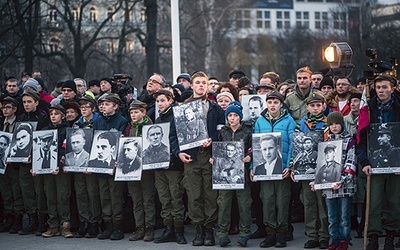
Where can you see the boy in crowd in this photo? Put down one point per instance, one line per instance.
(197, 170)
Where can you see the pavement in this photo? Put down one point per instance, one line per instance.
(32, 242)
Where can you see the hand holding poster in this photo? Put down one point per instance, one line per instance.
(156, 150)
(267, 156)
(329, 164)
(45, 152)
(190, 124)
(129, 166)
(228, 165)
(104, 152)
(304, 154)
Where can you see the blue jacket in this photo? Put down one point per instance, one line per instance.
(113, 122)
(284, 124)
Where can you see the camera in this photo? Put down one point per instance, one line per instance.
(377, 67)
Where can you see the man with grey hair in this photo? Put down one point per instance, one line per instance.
(81, 86)
(154, 83)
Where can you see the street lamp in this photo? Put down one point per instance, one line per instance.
(338, 55)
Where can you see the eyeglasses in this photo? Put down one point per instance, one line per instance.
(153, 81)
(7, 107)
(85, 107)
(66, 90)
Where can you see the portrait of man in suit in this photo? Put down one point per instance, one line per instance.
(4, 144)
(46, 155)
(272, 158)
(78, 157)
(331, 170)
(130, 160)
(157, 151)
(105, 147)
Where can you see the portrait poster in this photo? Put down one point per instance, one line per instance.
(103, 153)
(21, 142)
(329, 164)
(253, 105)
(305, 154)
(191, 127)
(79, 141)
(156, 151)
(384, 147)
(45, 151)
(5, 143)
(267, 156)
(129, 164)
(228, 165)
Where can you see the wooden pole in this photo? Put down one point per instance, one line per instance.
(367, 201)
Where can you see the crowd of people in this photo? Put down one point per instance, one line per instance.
(312, 102)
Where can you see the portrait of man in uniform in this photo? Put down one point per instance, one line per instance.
(228, 165)
(331, 170)
(384, 153)
(45, 156)
(129, 158)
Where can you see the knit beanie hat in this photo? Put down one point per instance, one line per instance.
(335, 117)
(69, 84)
(355, 95)
(32, 83)
(184, 76)
(227, 94)
(234, 107)
(326, 81)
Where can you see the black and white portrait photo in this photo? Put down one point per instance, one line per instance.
(44, 155)
(228, 165)
(384, 148)
(304, 154)
(21, 143)
(252, 106)
(329, 164)
(78, 148)
(156, 153)
(5, 142)
(104, 152)
(190, 124)
(267, 156)
(129, 166)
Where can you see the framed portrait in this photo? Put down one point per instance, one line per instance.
(191, 127)
(384, 148)
(329, 164)
(21, 142)
(228, 165)
(156, 151)
(267, 156)
(305, 154)
(5, 144)
(253, 105)
(129, 164)
(104, 151)
(45, 151)
(78, 147)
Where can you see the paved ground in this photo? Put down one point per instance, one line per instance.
(31, 242)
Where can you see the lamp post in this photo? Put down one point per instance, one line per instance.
(175, 37)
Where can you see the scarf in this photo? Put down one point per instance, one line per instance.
(384, 107)
(191, 98)
(313, 120)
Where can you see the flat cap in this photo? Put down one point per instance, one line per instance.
(136, 104)
(110, 97)
(32, 94)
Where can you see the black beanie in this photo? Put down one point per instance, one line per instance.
(69, 84)
(335, 117)
(326, 81)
